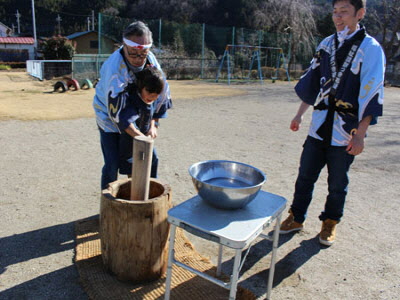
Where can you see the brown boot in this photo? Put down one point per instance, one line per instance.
(328, 232)
(290, 225)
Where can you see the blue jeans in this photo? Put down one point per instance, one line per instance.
(314, 157)
(112, 146)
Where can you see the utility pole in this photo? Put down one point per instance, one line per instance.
(88, 23)
(18, 15)
(34, 28)
(92, 20)
(58, 19)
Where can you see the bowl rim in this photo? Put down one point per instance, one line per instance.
(228, 161)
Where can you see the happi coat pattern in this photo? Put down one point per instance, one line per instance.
(359, 93)
(113, 90)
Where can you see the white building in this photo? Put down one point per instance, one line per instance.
(5, 30)
(16, 49)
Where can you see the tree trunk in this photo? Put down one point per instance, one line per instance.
(134, 234)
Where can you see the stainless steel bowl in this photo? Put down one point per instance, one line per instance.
(226, 184)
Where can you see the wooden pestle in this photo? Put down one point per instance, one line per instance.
(141, 167)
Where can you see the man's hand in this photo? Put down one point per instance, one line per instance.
(295, 124)
(356, 145)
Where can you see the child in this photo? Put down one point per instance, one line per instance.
(344, 83)
(137, 117)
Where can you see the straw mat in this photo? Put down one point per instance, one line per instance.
(99, 284)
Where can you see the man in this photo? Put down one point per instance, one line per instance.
(344, 83)
(116, 83)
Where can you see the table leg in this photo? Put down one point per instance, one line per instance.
(219, 260)
(235, 274)
(171, 254)
(273, 259)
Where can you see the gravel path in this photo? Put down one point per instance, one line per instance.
(50, 178)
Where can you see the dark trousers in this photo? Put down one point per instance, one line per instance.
(117, 149)
(313, 158)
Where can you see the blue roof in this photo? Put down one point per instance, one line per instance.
(78, 34)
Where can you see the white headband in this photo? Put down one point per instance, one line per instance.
(135, 45)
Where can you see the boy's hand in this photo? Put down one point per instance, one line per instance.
(295, 124)
(356, 145)
(152, 132)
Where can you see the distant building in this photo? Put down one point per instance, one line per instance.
(87, 42)
(5, 30)
(16, 49)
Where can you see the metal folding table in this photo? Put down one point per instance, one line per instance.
(236, 229)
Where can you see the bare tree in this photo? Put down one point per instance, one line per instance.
(294, 16)
(387, 17)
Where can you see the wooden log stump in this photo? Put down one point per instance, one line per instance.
(134, 234)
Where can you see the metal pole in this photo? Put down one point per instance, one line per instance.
(18, 15)
(219, 260)
(221, 65)
(235, 274)
(233, 52)
(171, 252)
(159, 33)
(34, 28)
(202, 50)
(229, 67)
(99, 34)
(290, 48)
(259, 66)
(58, 19)
(92, 20)
(273, 258)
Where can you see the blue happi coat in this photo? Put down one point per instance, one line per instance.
(113, 89)
(359, 94)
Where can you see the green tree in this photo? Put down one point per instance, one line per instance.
(57, 47)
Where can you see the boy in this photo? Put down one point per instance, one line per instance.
(136, 116)
(344, 83)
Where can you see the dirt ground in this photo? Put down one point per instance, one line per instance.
(50, 177)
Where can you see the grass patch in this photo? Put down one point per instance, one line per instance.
(5, 67)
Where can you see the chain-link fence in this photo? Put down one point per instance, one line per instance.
(188, 51)
(87, 66)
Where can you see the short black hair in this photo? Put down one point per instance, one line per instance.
(356, 3)
(151, 79)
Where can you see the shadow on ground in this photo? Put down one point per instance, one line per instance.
(285, 268)
(19, 248)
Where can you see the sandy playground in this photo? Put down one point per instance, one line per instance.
(50, 162)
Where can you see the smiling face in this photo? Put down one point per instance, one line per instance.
(148, 97)
(344, 14)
